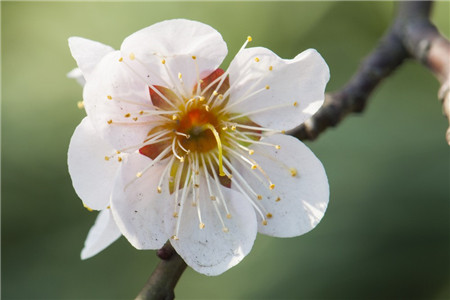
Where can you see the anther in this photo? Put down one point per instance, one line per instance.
(225, 229)
(212, 197)
(278, 147)
(106, 158)
(259, 197)
(278, 199)
(201, 225)
(194, 57)
(269, 215)
(293, 172)
(215, 93)
(138, 174)
(109, 121)
(175, 238)
(270, 68)
(141, 112)
(272, 186)
(174, 117)
(206, 107)
(254, 167)
(119, 159)
(135, 119)
(132, 57)
(180, 76)
(87, 207)
(127, 115)
(264, 222)
(233, 128)
(251, 152)
(159, 190)
(295, 103)
(220, 96)
(256, 59)
(163, 61)
(121, 59)
(196, 185)
(80, 104)
(249, 39)
(228, 216)
(202, 98)
(109, 97)
(267, 87)
(175, 215)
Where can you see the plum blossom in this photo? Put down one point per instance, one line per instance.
(175, 148)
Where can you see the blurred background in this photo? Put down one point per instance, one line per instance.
(386, 234)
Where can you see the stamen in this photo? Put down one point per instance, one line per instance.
(186, 186)
(252, 202)
(181, 146)
(243, 98)
(177, 181)
(174, 151)
(177, 90)
(219, 146)
(144, 79)
(221, 198)
(257, 111)
(293, 172)
(182, 134)
(225, 74)
(196, 190)
(199, 84)
(244, 138)
(80, 104)
(163, 175)
(154, 162)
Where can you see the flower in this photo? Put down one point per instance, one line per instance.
(176, 148)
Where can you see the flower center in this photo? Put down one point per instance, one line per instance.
(200, 126)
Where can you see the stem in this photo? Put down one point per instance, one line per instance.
(161, 284)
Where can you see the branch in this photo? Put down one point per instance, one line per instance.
(410, 36)
(161, 284)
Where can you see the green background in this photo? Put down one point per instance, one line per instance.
(385, 234)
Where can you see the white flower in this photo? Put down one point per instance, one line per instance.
(182, 150)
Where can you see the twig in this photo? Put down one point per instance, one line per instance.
(161, 284)
(410, 36)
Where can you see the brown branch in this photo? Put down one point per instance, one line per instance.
(410, 36)
(161, 284)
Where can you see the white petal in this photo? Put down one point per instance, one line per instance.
(77, 75)
(139, 210)
(87, 53)
(176, 41)
(210, 250)
(101, 235)
(92, 176)
(289, 93)
(303, 197)
(129, 95)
